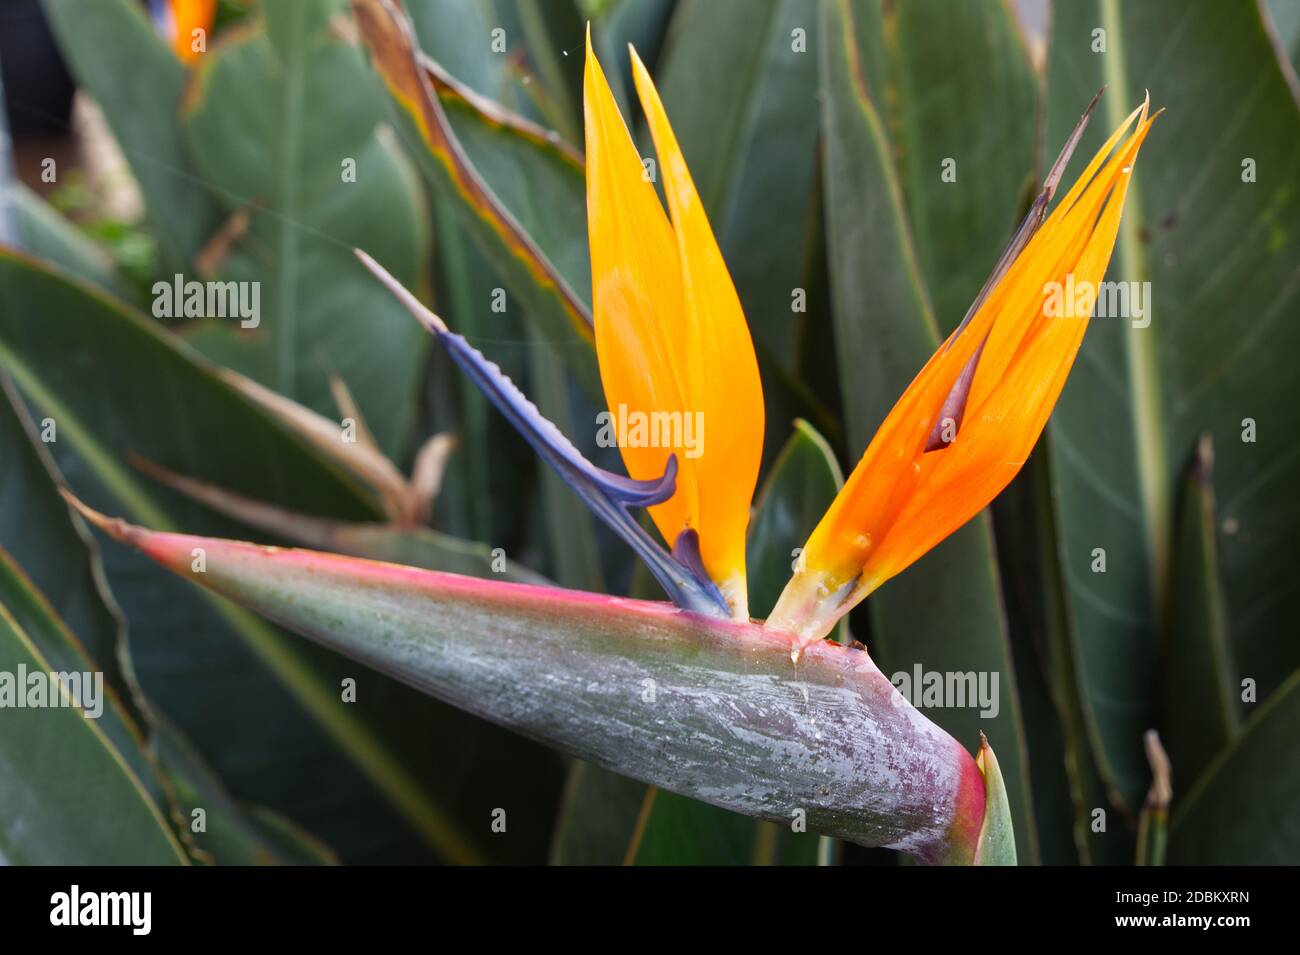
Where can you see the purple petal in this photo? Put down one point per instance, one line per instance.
(608, 495)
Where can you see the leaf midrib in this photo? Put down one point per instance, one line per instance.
(288, 241)
(1148, 422)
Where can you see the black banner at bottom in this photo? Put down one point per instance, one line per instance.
(905, 903)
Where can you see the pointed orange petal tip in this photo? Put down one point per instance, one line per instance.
(997, 378)
(720, 375)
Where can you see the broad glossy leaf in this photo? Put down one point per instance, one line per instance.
(531, 270)
(54, 643)
(478, 87)
(286, 132)
(99, 370)
(152, 752)
(1025, 553)
(743, 102)
(827, 734)
(458, 34)
(553, 34)
(1213, 350)
(69, 796)
(1242, 810)
(56, 550)
(289, 24)
(945, 614)
(641, 23)
(1202, 699)
(1067, 785)
(116, 56)
(62, 601)
(960, 105)
(598, 816)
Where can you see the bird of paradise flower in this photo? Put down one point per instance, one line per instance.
(671, 337)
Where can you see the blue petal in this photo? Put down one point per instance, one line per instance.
(545, 437)
(686, 550)
(608, 495)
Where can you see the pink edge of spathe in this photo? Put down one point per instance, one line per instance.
(175, 552)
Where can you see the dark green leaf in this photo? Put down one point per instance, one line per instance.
(598, 817)
(61, 601)
(55, 549)
(533, 266)
(944, 615)
(139, 83)
(1242, 811)
(743, 102)
(1202, 699)
(115, 385)
(70, 797)
(286, 132)
(1069, 827)
(1142, 391)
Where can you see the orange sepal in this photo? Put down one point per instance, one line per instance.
(670, 333)
(902, 500)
